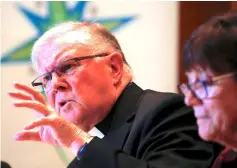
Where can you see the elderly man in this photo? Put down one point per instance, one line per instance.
(88, 83)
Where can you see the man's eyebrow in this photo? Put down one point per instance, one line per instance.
(65, 58)
(65, 54)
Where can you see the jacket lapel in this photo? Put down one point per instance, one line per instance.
(118, 137)
(117, 124)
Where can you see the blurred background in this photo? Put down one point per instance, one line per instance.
(151, 34)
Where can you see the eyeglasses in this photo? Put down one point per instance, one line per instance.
(64, 69)
(200, 89)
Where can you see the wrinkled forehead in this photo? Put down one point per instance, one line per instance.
(61, 47)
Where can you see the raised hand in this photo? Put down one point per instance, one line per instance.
(27, 96)
(50, 127)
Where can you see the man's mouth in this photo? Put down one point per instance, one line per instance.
(64, 103)
(61, 104)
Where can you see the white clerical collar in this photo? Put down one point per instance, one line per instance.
(95, 132)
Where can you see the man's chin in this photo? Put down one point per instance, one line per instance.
(206, 134)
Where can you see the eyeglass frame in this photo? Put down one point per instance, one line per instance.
(204, 84)
(55, 68)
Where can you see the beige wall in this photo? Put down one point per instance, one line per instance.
(149, 43)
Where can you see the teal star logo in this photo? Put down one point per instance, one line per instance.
(57, 12)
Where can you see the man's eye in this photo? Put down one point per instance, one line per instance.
(46, 78)
(66, 68)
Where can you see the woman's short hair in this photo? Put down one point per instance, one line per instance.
(213, 45)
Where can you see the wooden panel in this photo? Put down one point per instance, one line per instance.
(191, 15)
(234, 5)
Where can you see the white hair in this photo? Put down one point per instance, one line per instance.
(72, 31)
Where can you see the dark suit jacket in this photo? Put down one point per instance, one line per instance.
(164, 137)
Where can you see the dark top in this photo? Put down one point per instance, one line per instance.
(161, 135)
(227, 159)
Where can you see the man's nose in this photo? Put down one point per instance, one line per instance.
(58, 83)
(191, 100)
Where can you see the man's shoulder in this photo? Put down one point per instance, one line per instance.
(161, 95)
(157, 106)
(158, 113)
(152, 100)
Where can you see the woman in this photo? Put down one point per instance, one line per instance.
(210, 63)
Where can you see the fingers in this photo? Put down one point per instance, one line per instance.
(19, 95)
(37, 106)
(53, 120)
(32, 92)
(46, 121)
(53, 130)
(31, 135)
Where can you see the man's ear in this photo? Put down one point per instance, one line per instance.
(116, 65)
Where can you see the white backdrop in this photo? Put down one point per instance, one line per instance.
(150, 46)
